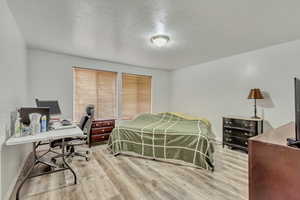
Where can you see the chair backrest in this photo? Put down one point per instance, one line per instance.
(83, 121)
(87, 120)
(87, 127)
(90, 110)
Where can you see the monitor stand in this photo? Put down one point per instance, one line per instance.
(293, 142)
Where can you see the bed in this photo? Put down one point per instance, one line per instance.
(166, 136)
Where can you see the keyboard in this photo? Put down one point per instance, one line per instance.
(59, 126)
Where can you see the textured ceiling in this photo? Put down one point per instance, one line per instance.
(120, 30)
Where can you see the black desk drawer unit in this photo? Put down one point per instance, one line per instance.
(237, 131)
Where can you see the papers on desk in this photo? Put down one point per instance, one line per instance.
(58, 126)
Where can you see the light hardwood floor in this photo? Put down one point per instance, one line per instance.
(132, 178)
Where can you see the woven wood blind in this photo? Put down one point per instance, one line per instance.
(94, 87)
(136, 95)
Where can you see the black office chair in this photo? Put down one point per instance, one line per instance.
(85, 125)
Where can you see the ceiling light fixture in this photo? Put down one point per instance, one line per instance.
(160, 40)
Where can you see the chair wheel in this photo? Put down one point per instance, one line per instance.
(87, 152)
(53, 160)
(87, 159)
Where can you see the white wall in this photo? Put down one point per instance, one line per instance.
(50, 77)
(13, 81)
(221, 87)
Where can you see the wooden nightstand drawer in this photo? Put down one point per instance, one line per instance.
(240, 124)
(99, 124)
(99, 138)
(238, 133)
(96, 131)
(243, 142)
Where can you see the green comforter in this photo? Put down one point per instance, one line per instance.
(166, 136)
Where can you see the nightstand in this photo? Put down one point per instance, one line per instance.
(237, 131)
(101, 129)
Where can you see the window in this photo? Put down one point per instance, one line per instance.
(94, 87)
(99, 88)
(136, 95)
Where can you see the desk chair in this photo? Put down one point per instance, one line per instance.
(85, 125)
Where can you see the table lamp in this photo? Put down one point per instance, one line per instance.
(255, 94)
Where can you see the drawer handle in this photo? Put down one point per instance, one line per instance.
(246, 143)
(228, 139)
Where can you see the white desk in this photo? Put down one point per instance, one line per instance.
(41, 137)
(45, 136)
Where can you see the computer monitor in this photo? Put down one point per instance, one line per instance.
(25, 111)
(52, 105)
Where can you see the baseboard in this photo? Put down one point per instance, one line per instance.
(21, 173)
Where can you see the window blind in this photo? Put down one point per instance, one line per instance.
(136, 95)
(95, 87)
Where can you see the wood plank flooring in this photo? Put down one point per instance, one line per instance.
(106, 177)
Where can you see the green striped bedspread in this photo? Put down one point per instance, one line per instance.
(166, 136)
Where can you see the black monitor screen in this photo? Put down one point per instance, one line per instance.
(52, 105)
(297, 108)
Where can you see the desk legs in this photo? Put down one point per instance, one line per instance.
(37, 160)
(24, 180)
(65, 163)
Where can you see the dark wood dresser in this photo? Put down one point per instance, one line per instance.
(237, 131)
(273, 166)
(101, 129)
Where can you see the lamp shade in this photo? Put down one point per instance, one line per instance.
(255, 94)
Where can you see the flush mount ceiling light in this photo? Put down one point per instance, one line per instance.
(160, 40)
